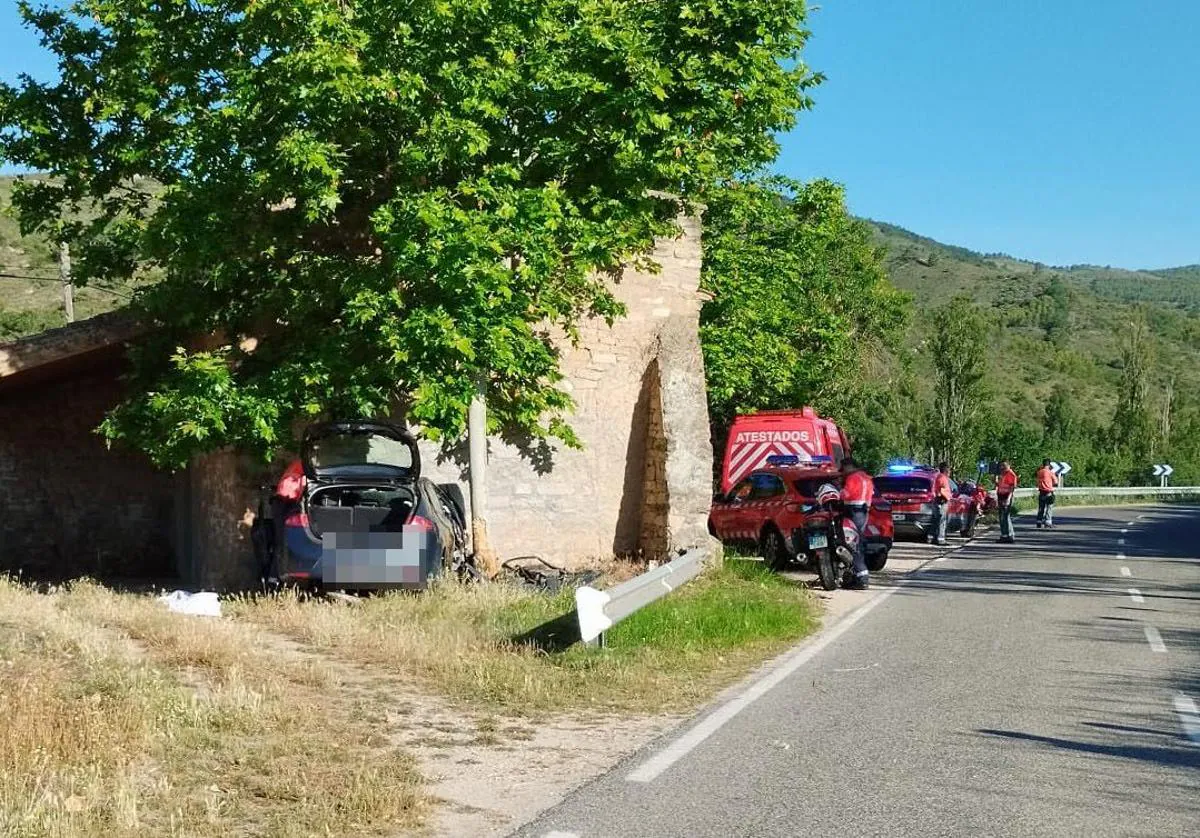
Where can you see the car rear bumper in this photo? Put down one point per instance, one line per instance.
(406, 560)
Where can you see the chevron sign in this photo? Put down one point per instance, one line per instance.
(1163, 472)
(1060, 469)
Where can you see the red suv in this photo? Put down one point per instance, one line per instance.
(767, 510)
(909, 489)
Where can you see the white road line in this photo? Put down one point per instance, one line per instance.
(1120, 555)
(1189, 717)
(681, 747)
(1126, 572)
(1120, 542)
(1124, 531)
(1155, 639)
(557, 834)
(1142, 517)
(1136, 595)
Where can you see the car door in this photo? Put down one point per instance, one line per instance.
(767, 499)
(728, 514)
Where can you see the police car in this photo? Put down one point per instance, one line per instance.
(766, 511)
(908, 487)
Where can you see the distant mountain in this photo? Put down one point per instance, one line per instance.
(1056, 326)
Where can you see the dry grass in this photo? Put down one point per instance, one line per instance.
(124, 719)
(458, 641)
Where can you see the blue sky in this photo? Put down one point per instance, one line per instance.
(1064, 131)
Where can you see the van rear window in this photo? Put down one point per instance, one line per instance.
(906, 485)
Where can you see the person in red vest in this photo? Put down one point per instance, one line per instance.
(979, 499)
(1047, 482)
(858, 490)
(941, 503)
(1006, 484)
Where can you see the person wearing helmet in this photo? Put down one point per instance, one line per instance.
(858, 490)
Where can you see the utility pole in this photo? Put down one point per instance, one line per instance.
(477, 453)
(64, 274)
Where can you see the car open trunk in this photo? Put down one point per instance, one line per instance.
(359, 508)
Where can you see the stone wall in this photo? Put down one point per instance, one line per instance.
(632, 488)
(70, 507)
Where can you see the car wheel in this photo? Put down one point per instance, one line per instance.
(876, 560)
(774, 551)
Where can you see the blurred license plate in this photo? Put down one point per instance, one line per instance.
(817, 541)
(902, 516)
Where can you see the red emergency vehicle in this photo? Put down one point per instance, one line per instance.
(816, 441)
(768, 508)
(909, 489)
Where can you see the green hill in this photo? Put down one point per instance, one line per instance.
(1055, 327)
(31, 297)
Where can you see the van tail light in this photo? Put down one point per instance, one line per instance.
(296, 519)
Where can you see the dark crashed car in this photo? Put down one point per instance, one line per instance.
(354, 512)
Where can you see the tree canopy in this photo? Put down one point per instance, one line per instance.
(800, 298)
(399, 200)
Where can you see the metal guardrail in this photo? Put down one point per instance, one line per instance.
(600, 610)
(1113, 491)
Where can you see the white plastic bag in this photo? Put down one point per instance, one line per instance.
(203, 604)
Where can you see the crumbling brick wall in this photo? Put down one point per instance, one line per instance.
(70, 507)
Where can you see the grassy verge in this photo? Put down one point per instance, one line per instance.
(458, 641)
(124, 719)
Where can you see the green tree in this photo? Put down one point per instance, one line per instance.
(958, 351)
(398, 199)
(800, 299)
(1132, 431)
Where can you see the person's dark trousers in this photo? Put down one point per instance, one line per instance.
(858, 517)
(1006, 524)
(1045, 516)
(938, 524)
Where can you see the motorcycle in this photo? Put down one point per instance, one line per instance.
(830, 539)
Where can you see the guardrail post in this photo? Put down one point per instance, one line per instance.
(600, 610)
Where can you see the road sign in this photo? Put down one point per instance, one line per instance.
(1163, 472)
(1060, 469)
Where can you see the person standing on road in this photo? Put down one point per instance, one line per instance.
(1006, 484)
(978, 501)
(1047, 482)
(858, 490)
(941, 503)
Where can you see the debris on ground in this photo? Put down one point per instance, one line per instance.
(202, 604)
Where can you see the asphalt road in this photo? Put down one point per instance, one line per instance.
(1043, 689)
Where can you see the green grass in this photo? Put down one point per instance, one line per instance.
(466, 642)
(742, 603)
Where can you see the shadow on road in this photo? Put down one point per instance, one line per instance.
(1181, 756)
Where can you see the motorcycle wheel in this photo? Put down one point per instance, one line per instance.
(826, 570)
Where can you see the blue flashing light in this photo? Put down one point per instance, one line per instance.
(901, 468)
(822, 458)
(783, 460)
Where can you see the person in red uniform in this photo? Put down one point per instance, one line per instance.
(978, 504)
(858, 490)
(941, 503)
(1006, 484)
(1047, 482)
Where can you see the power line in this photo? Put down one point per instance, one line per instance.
(56, 280)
